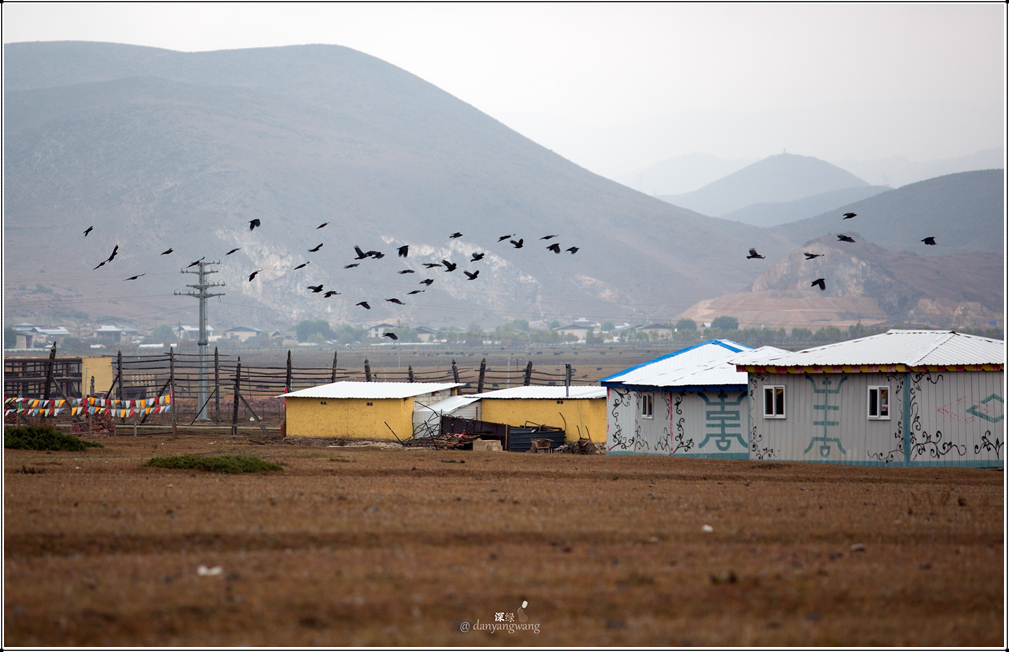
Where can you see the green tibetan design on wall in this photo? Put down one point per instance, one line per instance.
(825, 420)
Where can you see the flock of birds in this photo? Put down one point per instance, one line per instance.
(821, 283)
(361, 255)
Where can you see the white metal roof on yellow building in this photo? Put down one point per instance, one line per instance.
(547, 392)
(911, 348)
(357, 389)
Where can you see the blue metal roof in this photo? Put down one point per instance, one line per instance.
(735, 347)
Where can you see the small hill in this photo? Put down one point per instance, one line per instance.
(963, 211)
(779, 178)
(774, 214)
(682, 174)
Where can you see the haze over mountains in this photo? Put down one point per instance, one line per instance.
(162, 149)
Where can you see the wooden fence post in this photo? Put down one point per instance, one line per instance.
(171, 385)
(567, 379)
(483, 370)
(234, 411)
(409, 371)
(49, 372)
(217, 388)
(367, 371)
(290, 378)
(455, 372)
(529, 374)
(332, 377)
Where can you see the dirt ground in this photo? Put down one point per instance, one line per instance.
(357, 546)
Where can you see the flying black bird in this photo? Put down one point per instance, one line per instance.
(848, 216)
(317, 248)
(456, 235)
(330, 293)
(322, 225)
(396, 301)
(556, 248)
(253, 224)
(505, 237)
(427, 281)
(405, 271)
(415, 291)
(403, 251)
(430, 265)
(819, 282)
(930, 240)
(302, 265)
(376, 254)
(517, 243)
(845, 238)
(114, 251)
(573, 250)
(449, 267)
(87, 231)
(351, 265)
(360, 254)
(753, 254)
(99, 265)
(315, 288)
(810, 256)
(165, 253)
(547, 237)
(133, 278)
(232, 251)
(363, 304)
(476, 257)
(471, 276)
(253, 275)
(391, 336)
(194, 263)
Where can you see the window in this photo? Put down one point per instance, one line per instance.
(646, 406)
(879, 402)
(774, 401)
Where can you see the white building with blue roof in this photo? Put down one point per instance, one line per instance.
(692, 402)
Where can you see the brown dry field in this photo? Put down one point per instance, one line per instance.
(356, 546)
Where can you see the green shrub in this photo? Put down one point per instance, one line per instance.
(44, 438)
(218, 464)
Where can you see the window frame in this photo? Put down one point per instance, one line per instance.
(647, 405)
(773, 414)
(879, 403)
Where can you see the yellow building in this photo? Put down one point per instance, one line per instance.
(99, 369)
(356, 410)
(578, 410)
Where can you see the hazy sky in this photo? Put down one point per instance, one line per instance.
(615, 87)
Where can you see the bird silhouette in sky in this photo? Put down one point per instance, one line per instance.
(302, 265)
(431, 265)
(427, 281)
(391, 336)
(253, 223)
(819, 282)
(415, 291)
(845, 238)
(316, 248)
(403, 251)
(88, 230)
(321, 225)
(547, 237)
(573, 250)
(360, 254)
(396, 301)
(848, 216)
(476, 257)
(449, 267)
(330, 293)
(505, 237)
(133, 278)
(456, 235)
(556, 248)
(810, 256)
(253, 275)
(406, 271)
(376, 254)
(471, 275)
(165, 253)
(930, 240)
(115, 250)
(194, 263)
(753, 254)
(99, 265)
(518, 243)
(351, 265)
(232, 251)
(363, 304)
(315, 288)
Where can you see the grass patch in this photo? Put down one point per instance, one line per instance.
(215, 464)
(44, 438)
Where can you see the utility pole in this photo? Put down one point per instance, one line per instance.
(201, 293)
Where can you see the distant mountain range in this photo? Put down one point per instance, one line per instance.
(775, 213)
(682, 174)
(160, 149)
(775, 179)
